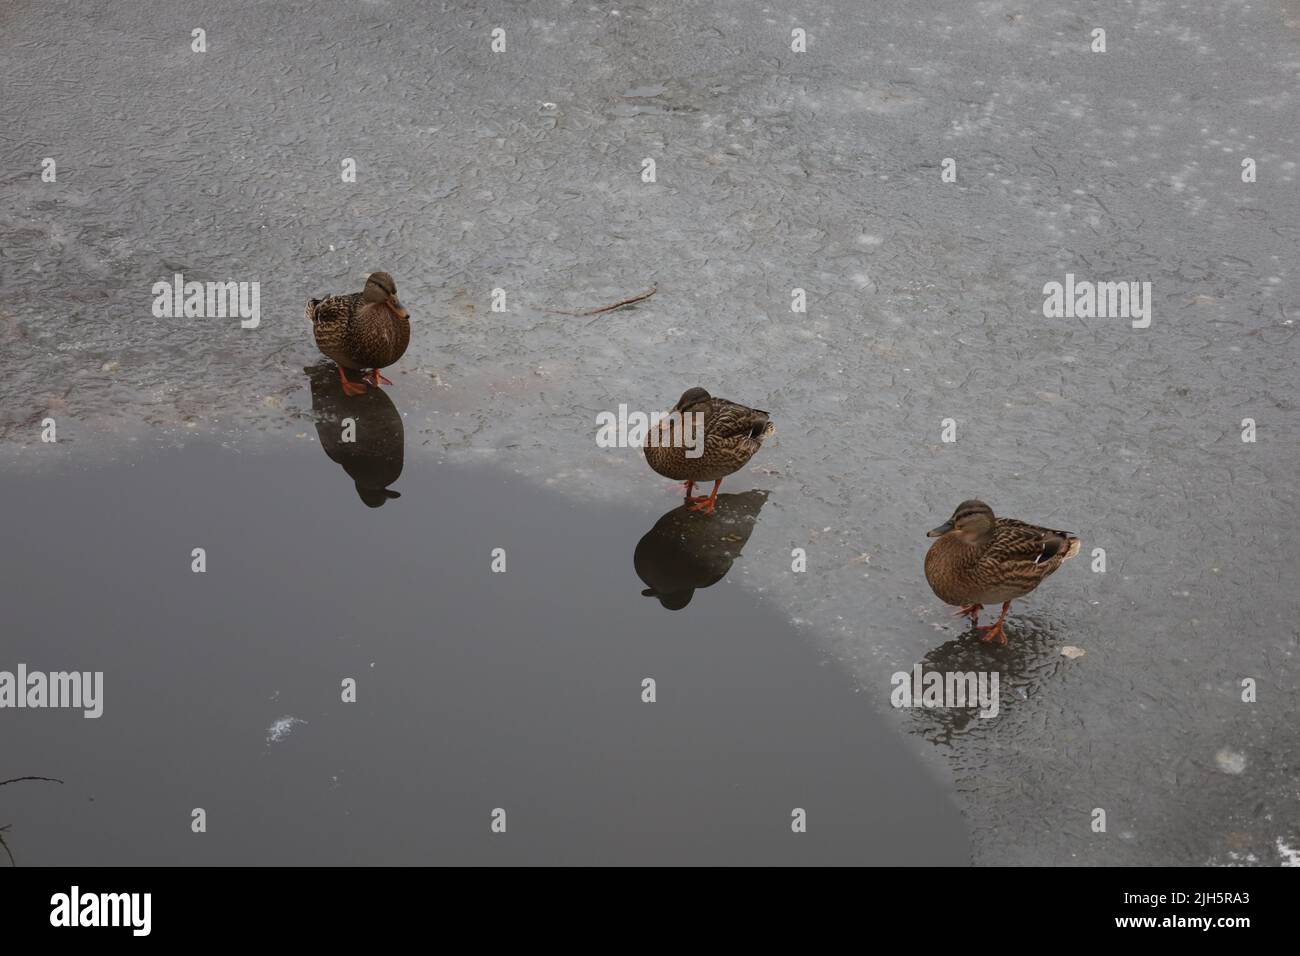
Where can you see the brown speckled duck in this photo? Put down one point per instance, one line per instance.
(368, 329)
(980, 559)
(732, 433)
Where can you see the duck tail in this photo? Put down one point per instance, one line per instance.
(1061, 546)
(311, 310)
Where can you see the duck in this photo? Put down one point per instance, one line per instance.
(369, 329)
(732, 435)
(981, 559)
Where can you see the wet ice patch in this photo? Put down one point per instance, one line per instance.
(281, 729)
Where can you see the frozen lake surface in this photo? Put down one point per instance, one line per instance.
(522, 171)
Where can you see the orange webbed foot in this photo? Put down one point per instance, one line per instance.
(689, 499)
(350, 388)
(994, 632)
(702, 504)
(376, 378)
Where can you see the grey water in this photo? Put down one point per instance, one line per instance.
(476, 691)
(521, 171)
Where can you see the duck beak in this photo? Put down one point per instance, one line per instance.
(397, 307)
(940, 531)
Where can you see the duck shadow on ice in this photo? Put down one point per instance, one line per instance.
(1002, 677)
(686, 551)
(361, 433)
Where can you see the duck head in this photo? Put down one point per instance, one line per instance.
(380, 288)
(971, 521)
(692, 396)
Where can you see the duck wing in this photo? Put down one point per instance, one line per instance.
(726, 419)
(1015, 542)
(333, 311)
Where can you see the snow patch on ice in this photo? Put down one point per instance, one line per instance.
(281, 729)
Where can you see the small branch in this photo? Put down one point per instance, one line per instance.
(3, 844)
(608, 308)
(17, 779)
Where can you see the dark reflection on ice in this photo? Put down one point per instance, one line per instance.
(686, 550)
(363, 433)
(1029, 659)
